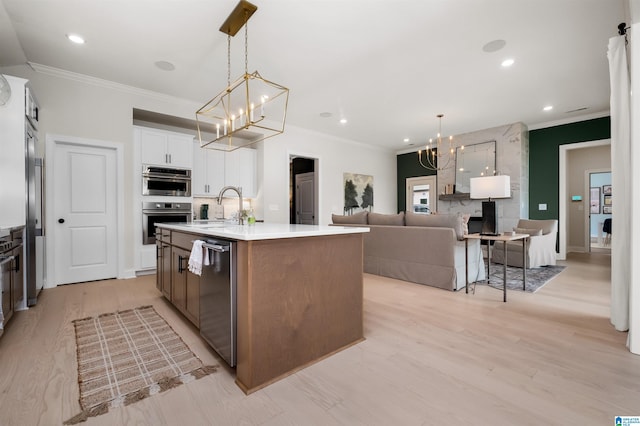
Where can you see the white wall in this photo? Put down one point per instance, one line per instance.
(336, 156)
(81, 107)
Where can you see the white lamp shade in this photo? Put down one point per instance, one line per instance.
(490, 187)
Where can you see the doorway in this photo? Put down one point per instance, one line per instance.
(421, 194)
(564, 200)
(85, 186)
(599, 182)
(303, 190)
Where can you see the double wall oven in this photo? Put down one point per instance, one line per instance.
(165, 191)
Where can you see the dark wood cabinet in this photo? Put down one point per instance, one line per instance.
(163, 262)
(179, 261)
(173, 278)
(17, 286)
(185, 285)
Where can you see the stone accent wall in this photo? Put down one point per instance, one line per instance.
(512, 158)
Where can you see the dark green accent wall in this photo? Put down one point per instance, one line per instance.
(544, 167)
(544, 156)
(408, 166)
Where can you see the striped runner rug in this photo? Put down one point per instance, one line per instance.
(129, 355)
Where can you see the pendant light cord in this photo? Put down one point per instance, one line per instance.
(246, 42)
(228, 61)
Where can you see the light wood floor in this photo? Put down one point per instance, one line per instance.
(431, 357)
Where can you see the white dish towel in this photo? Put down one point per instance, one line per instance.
(197, 257)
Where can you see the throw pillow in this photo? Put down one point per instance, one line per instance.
(354, 219)
(531, 232)
(465, 222)
(437, 221)
(386, 219)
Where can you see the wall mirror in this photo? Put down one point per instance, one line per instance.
(474, 161)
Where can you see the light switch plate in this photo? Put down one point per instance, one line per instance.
(542, 206)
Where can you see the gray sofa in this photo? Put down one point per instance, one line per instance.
(424, 249)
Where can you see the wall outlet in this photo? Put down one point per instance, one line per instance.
(542, 206)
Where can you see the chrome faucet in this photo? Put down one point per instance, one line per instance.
(239, 192)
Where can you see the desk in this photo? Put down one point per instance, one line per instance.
(504, 239)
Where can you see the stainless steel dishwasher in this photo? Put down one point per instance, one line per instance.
(218, 299)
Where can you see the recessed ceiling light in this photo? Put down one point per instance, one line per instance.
(548, 108)
(405, 140)
(165, 66)
(494, 46)
(343, 121)
(507, 63)
(76, 38)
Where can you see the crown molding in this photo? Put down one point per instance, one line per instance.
(563, 121)
(105, 84)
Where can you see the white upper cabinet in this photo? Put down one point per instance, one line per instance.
(164, 148)
(240, 170)
(178, 148)
(207, 178)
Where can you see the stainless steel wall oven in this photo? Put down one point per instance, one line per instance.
(160, 212)
(166, 181)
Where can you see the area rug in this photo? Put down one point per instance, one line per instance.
(536, 277)
(126, 356)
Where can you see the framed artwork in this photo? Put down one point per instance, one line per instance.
(607, 200)
(606, 210)
(358, 193)
(594, 200)
(606, 189)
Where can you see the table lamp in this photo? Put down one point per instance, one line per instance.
(490, 187)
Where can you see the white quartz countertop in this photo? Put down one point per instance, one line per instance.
(260, 231)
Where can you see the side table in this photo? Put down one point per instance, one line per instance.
(504, 239)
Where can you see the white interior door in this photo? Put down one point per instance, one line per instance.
(305, 197)
(421, 194)
(85, 209)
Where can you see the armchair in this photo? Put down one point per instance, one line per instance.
(541, 246)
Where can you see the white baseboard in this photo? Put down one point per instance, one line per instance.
(576, 249)
(127, 274)
(145, 272)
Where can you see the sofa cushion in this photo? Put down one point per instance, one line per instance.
(547, 225)
(354, 219)
(532, 232)
(456, 222)
(386, 219)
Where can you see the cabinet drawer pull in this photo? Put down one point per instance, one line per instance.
(180, 267)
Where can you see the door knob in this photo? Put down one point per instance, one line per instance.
(61, 220)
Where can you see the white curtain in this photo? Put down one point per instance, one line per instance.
(620, 178)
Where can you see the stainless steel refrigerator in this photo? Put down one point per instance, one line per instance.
(34, 229)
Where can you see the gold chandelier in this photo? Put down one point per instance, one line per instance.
(248, 110)
(438, 157)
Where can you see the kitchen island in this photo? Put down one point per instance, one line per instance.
(299, 292)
